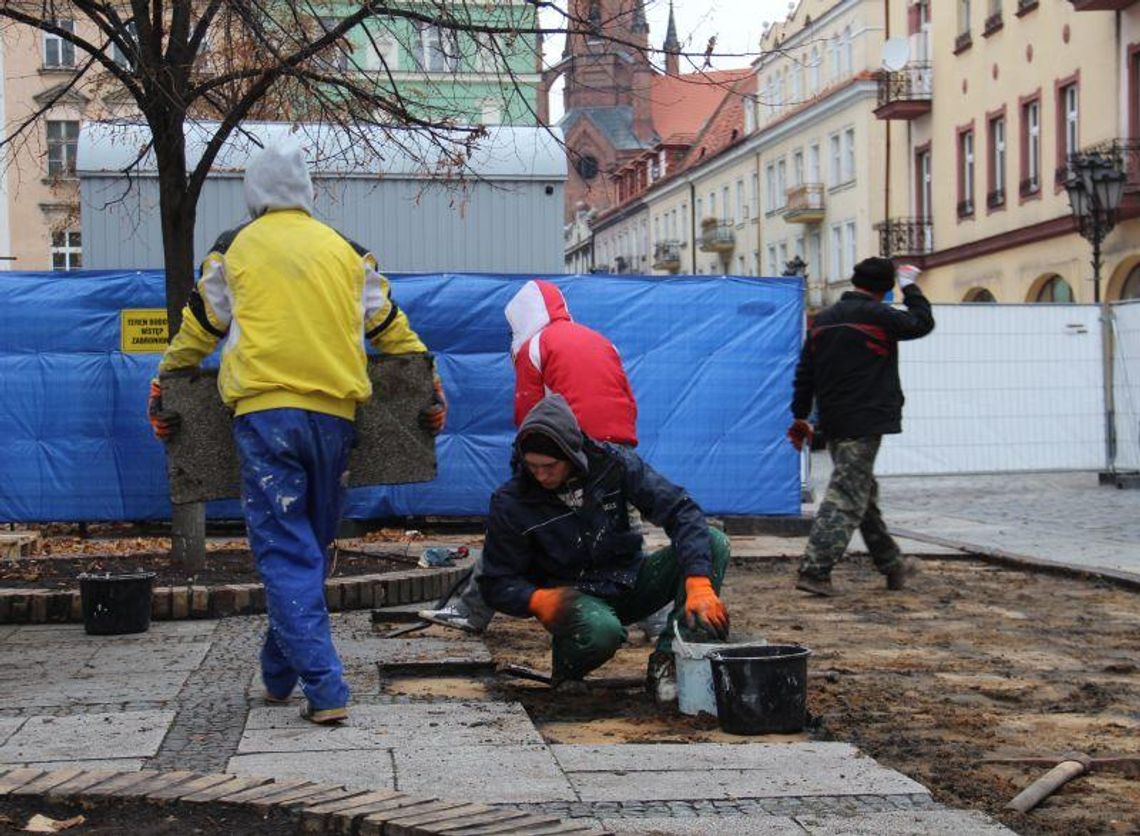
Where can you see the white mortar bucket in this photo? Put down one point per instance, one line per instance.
(694, 672)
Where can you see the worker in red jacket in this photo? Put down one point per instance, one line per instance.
(553, 354)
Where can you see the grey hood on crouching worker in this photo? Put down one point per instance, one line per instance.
(553, 418)
(277, 177)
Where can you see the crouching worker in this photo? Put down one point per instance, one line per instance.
(559, 546)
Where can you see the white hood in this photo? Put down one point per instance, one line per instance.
(278, 178)
(536, 305)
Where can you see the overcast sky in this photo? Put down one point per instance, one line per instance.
(736, 24)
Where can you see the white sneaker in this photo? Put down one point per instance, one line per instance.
(449, 617)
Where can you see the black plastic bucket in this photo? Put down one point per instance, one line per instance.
(116, 604)
(761, 689)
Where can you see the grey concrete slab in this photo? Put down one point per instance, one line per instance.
(32, 689)
(794, 769)
(74, 634)
(123, 659)
(681, 757)
(487, 774)
(420, 725)
(6, 631)
(391, 448)
(371, 648)
(740, 825)
(111, 764)
(8, 727)
(356, 769)
(36, 659)
(87, 736)
(905, 823)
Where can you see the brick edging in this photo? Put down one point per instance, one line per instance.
(170, 603)
(320, 808)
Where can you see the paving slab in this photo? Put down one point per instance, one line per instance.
(905, 823)
(35, 689)
(420, 725)
(368, 769)
(487, 774)
(701, 771)
(91, 736)
(391, 447)
(119, 659)
(431, 655)
(8, 727)
(73, 634)
(109, 764)
(750, 825)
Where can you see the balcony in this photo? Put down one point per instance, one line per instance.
(717, 236)
(906, 93)
(1100, 5)
(805, 204)
(667, 256)
(910, 237)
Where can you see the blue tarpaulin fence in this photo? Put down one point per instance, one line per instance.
(710, 360)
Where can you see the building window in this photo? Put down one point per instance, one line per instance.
(1055, 289)
(62, 137)
(1030, 148)
(700, 210)
(814, 67)
(124, 58)
(849, 155)
(847, 52)
(979, 294)
(335, 55)
(965, 174)
(924, 200)
(836, 56)
(724, 202)
(836, 157)
(755, 194)
(59, 52)
(382, 50)
(770, 202)
(964, 17)
(813, 164)
(996, 196)
(773, 268)
(684, 223)
(66, 250)
(798, 168)
(850, 254)
(1068, 132)
(741, 206)
(837, 274)
(781, 181)
(436, 49)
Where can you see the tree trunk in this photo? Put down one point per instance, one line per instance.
(178, 213)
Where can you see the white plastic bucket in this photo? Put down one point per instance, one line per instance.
(694, 672)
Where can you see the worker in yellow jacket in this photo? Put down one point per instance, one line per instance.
(290, 298)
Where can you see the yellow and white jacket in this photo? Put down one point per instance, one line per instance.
(291, 297)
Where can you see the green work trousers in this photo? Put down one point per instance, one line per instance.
(595, 628)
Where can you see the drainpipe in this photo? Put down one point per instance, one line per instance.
(693, 225)
(887, 128)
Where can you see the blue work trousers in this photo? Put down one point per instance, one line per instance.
(293, 480)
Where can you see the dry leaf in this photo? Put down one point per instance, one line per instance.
(43, 824)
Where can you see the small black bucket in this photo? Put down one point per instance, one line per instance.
(116, 604)
(762, 689)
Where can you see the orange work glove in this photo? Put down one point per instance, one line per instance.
(164, 422)
(703, 608)
(434, 415)
(800, 432)
(552, 606)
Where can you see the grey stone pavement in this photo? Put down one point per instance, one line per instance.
(1049, 518)
(185, 695)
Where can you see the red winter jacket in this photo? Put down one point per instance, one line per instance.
(554, 354)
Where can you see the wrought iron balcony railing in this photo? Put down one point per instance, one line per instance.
(905, 237)
(667, 255)
(905, 93)
(805, 203)
(717, 236)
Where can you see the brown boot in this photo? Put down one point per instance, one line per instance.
(897, 576)
(816, 586)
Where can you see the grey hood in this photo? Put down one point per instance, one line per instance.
(277, 177)
(553, 418)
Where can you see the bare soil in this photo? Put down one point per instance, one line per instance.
(223, 566)
(114, 818)
(971, 662)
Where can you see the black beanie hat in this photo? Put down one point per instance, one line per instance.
(874, 274)
(541, 443)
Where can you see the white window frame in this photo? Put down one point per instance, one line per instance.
(741, 206)
(782, 181)
(836, 253)
(770, 202)
(850, 247)
(437, 49)
(813, 170)
(67, 244)
(835, 158)
(997, 127)
(814, 74)
(1071, 103)
(61, 149)
(968, 168)
(64, 49)
(1033, 143)
(849, 167)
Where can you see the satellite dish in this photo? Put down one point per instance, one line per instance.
(896, 53)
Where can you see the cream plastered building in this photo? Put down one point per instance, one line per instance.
(789, 165)
(995, 97)
(39, 216)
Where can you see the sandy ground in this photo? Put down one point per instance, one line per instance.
(971, 662)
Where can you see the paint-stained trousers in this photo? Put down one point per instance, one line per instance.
(595, 628)
(851, 501)
(293, 480)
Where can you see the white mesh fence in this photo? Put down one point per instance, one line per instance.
(1127, 384)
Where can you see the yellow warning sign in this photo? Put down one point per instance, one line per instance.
(142, 330)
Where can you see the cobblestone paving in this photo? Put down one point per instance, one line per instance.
(211, 710)
(822, 805)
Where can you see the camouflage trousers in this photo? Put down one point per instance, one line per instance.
(851, 501)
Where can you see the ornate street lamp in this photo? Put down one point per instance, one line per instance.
(795, 267)
(1095, 183)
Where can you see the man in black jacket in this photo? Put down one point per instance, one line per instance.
(850, 365)
(560, 547)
